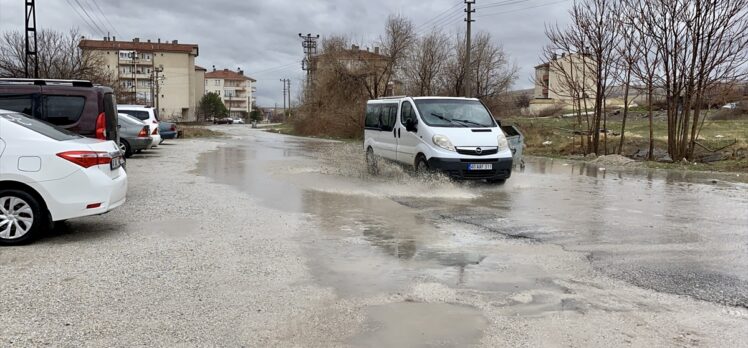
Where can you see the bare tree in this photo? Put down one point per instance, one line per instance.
(426, 63)
(59, 57)
(491, 69)
(399, 37)
(702, 43)
(589, 42)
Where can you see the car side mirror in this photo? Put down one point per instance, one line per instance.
(411, 125)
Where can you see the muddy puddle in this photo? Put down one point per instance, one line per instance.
(411, 324)
(380, 234)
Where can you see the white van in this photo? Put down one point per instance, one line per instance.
(146, 114)
(457, 136)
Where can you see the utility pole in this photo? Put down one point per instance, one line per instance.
(157, 81)
(288, 81)
(284, 95)
(309, 43)
(31, 36)
(468, 66)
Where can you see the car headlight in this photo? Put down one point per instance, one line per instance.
(443, 142)
(503, 144)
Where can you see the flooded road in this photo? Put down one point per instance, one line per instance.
(559, 238)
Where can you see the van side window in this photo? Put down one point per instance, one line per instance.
(18, 103)
(407, 113)
(63, 110)
(372, 116)
(388, 117)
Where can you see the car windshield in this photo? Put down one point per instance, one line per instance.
(454, 113)
(41, 127)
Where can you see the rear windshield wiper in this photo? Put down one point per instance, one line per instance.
(447, 119)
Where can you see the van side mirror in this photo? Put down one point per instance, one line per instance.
(411, 125)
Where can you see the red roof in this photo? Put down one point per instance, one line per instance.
(227, 74)
(139, 46)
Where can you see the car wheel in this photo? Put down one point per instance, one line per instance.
(422, 166)
(124, 146)
(371, 162)
(21, 217)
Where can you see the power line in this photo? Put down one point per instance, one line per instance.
(103, 32)
(90, 26)
(520, 9)
(454, 17)
(96, 17)
(105, 17)
(501, 3)
(439, 16)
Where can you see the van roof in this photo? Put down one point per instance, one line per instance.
(399, 99)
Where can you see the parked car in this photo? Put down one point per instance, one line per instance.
(730, 106)
(237, 121)
(49, 174)
(134, 135)
(223, 121)
(77, 106)
(146, 114)
(457, 136)
(168, 130)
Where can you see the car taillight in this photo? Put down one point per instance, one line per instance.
(143, 132)
(155, 131)
(173, 128)
(101, 126)
(86, 159)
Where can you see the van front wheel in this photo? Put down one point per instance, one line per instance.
(422, 166)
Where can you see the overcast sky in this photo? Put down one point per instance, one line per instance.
(262, 36)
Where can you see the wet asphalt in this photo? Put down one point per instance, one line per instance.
(668, 232)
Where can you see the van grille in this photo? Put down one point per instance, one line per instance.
(474, 151)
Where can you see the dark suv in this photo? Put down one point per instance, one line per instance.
(75, 105)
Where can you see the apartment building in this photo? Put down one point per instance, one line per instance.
(235, 88)
(160, 74)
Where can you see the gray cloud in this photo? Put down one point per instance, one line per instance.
(262, 36)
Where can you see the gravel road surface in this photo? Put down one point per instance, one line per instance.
(261, 240)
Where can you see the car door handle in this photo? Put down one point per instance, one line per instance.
(394, 132)
(398, 133)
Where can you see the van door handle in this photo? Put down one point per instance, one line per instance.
(394, 132)
(398, 133)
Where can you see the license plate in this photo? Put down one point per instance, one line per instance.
(480, 166)
(116, 162)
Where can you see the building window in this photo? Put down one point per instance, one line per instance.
(217, 82)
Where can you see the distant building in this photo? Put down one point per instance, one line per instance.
(199, 83)
(236, 90)
(358, 62)
(152, 73)
(563, 82)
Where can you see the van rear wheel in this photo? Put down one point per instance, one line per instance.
(372, 164)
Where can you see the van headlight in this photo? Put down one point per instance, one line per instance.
(503, 143)
(443, 142)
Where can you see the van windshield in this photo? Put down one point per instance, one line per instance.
(454, 113)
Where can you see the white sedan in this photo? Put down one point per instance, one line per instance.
(48, 174)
